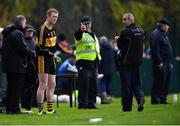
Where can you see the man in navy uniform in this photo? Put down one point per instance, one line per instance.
(161, 56)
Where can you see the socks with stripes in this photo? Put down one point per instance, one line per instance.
(40, 107)
(49, 106)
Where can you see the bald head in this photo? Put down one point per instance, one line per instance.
(20, 21)
(128, 19)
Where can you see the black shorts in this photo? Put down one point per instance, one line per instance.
(46, 65)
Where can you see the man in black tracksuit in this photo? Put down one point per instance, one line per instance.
(130, 44)
(14, 62)
(161, 56)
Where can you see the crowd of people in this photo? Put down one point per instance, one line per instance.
(29, 60)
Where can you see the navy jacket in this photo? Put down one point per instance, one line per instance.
(161, 49)
(107, 61)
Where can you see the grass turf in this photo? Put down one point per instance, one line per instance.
(110, 113)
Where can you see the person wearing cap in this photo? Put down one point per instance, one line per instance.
(87, 59)
(130, 43)
(161, 51)
(31, 74)
(14, 62)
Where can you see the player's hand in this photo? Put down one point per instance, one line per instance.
(58, 59)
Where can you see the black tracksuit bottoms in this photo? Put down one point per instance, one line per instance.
(14, 89)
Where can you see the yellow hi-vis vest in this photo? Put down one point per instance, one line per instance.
(87, 48)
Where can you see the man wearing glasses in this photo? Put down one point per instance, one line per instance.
(130, 44)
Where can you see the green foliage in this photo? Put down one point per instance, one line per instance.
(117, 9)
(106, 14)
(146, 14)
(15, 7)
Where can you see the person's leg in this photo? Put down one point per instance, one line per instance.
(92, 91)
(108, 84)
(157, 85)
(126, 91)
(9, 92)
(83, 77)
(137, 87)
(50, 91)
(43, 79)
(29, 93)
(15, 82)
(102, 87)
(166, 82)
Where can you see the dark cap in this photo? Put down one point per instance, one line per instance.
(29, 28)
(86, 19)
(164, 21)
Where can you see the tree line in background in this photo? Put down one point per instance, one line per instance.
(106, 14)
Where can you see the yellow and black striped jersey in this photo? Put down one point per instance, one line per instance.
(45, 40)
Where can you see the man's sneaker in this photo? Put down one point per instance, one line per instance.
(51, 112)
(41, 113)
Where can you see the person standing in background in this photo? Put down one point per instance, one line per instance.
(14, 62)
(130, 44)
(161, 51)
(87, 60)
(106, 68)
(45, 49)
(31, 74)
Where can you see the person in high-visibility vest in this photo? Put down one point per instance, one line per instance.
(87, 59)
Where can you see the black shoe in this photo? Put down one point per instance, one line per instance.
(155, 100)
(92, 107)
(164, 102)
(154, 103)
(81, 107)
(126, 109)
(141, 105)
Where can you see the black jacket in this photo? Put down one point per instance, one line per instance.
(161, 49)
(130, 44)
(15, 50)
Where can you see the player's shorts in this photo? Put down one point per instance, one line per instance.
(46, 65)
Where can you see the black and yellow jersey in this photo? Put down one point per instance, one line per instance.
(45, 41)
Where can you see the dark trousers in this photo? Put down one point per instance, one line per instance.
(105, 84)
(87, 87)
(130, 84)
(161, 82)
(29, 90)
(13, 93)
